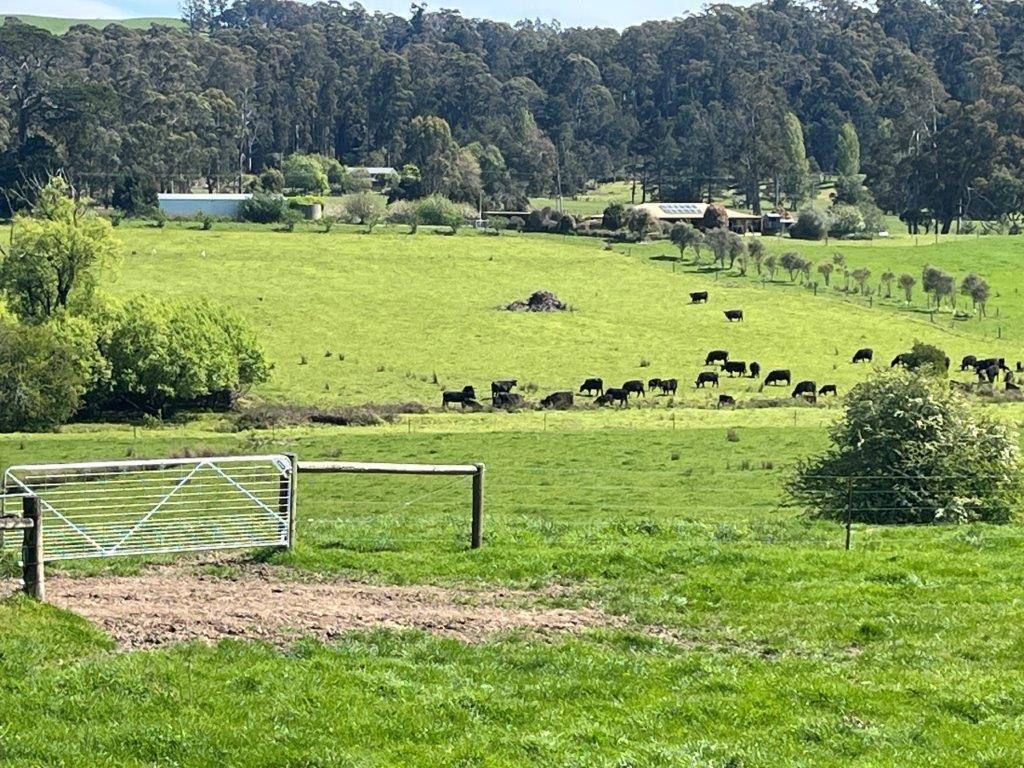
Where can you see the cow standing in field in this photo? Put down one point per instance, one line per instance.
(502, 387)
(634, 386)
(669, 386)
(864, 355)
(778, 376)
(508, 400)
(613, 395)
(828, 389)
(807, 387)
(653, 384)
(706, 377)
(990, 374)
(699, 297)
(755, 370)
(590, 386)
(733, 314)
(968, 362)
(735, 367)
(466, 397)
(903, 358)
(726, 400)
(716, 356)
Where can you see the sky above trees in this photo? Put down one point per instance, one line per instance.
(603, 13)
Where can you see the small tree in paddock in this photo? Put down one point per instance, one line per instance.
(861, 275)
(737, 250)
(908, 449)
(907, 283)
(684, 235)
(718, 241)
(887, 277)
(980, 294)
(792, 262)
(614, 217)
(825, 269)
(771, 265)
(756, 251)
(640, 222)
(366, 208)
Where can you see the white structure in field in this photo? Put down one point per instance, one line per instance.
(221, 206)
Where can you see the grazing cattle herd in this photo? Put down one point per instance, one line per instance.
(987, 370)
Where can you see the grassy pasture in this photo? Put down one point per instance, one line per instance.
(60, 25)
(403, 308)
(751, 637)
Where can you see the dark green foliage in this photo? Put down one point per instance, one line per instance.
(811, 224)
(614, 217)
(438, 211)
(263, 208)
(41, 386)
(715, 217)
(134, 192)
(910, 450)
(927, 359)
(272, 180)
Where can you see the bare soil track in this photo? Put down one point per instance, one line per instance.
(170, 605)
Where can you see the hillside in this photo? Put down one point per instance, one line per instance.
(394, 310)
(59, 25)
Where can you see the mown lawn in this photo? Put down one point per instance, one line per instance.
(752, 638)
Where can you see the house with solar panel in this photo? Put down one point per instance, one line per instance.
(693, 213)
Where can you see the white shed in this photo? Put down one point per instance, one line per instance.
(223, 206)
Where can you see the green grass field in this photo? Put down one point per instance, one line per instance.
(59, 25)
(746, 635)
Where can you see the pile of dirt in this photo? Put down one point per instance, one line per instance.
(169, 605)
(539, 301)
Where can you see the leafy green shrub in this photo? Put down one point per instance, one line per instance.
(205, 220)
(365, 208)
(845, 220)
(262, 208)
(162, 352)
(290, 218)
(41, 385)
(926, 358)
(401, 212)
(640, 222)
(811, 224)
(304, 173)
(614, 217)
(272, 180)
(910, 450)
(439, 211)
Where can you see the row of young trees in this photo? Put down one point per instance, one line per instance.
(924, 100)
(64, 350)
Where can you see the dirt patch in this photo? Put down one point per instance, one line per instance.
(539, 301)
(174, 605)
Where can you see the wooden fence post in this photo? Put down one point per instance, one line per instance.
(849, 511)
(32, 550)
(286, 497)
(477, 534)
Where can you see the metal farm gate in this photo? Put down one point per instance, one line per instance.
(106, 509)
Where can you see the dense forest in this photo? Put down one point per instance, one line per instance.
(924, 99)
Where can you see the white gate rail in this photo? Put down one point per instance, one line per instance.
(134, 507)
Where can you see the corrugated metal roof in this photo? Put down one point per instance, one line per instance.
(373, 170)
(687, 211)
(202, 197)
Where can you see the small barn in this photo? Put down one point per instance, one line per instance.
(694, 212)
(187, 206)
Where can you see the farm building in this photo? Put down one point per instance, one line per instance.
(694, 212)
(221, 206)
(379, 175)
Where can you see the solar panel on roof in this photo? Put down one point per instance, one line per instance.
(680, 209)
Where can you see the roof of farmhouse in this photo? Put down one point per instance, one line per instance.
(373, 170)
(202, 197)
(686, 211)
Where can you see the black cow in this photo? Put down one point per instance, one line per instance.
(503, 386)
(613, 395)
(755, 370)
(706, 377)
(733, 314)
(726, 400)
(698, 297)
(778, 376)
(653, 384)
(716, 356)
(827, 389)
(1020, 367)
(991, 373)
(558, 400)
(590, 386)
(807, 387)
(864, 355)
(635, 386)
(508, 400)
(988, 362)
(466, 397)
(968, 362)
(903, 358)
(735, 366)
(669, 386)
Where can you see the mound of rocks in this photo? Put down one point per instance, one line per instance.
(539, 301)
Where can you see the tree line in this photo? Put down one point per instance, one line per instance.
(921, 100)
